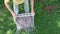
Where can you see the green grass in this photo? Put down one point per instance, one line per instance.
(45, 23)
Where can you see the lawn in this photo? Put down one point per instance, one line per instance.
(46, 22)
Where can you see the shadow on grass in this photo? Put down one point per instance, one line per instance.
(47, 23)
